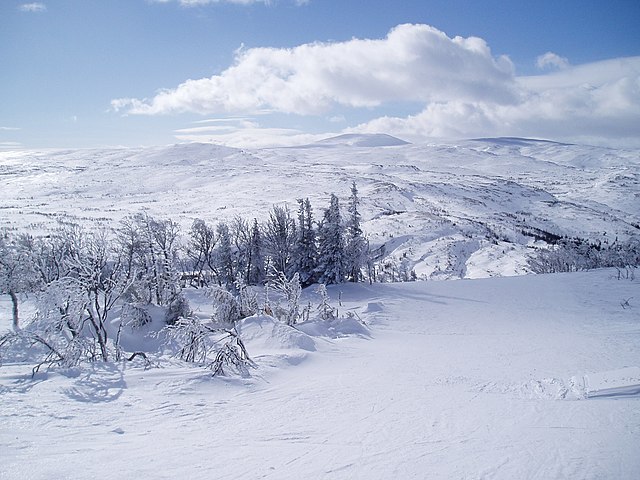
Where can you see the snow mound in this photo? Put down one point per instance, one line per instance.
(613, 383)
(361, 140)
(336, 328)
(260, 332)
(374, 307)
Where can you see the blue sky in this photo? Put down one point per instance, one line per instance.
(84, 73)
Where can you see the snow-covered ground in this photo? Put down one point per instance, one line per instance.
(467, 209)
(519, 377)
(525, 377)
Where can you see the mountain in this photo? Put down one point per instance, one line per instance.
(360, 140)
(448, 210)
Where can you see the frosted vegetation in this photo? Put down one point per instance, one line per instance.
(165, 267)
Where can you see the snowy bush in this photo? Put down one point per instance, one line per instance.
(179, 307)
(291, 290)
(134, 316)
(219, 349)
(325, 310)
(572, 255)
(227, 309)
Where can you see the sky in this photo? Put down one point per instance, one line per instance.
(255, 73)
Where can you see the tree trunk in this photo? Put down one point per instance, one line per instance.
(14, 301)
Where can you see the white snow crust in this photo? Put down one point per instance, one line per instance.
(503, 378)
(517, 377)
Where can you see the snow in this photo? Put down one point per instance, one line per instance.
(515, 377)
(360, 140)
(426, 203)
(500, 375)
(625, 381)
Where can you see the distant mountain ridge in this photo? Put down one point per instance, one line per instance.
(468, 208)
(360, 140)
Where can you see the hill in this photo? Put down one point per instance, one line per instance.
(448, 210)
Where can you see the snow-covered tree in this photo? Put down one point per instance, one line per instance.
(17, 271)
(331, 247)
(280, 239)
(291, 290)
(149, 248)
(256, 261)
(305, 251)
(200, 250)
(223, 255)
(356, 245)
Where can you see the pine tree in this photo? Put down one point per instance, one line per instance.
(306, 252)
(256, 257)
(331, 255)
(356, 245)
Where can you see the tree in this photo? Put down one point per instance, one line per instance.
(149, 247)
(356, 246)
(100, 274)
(17, 272)
(200, 250)
(305, 251)
(280, 239)
(223, 257)
(255, 265)
(331, 254)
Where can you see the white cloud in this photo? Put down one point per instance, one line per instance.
(597, 103)
(247, 136)
(415, 63)
(9, 129)
(35, 7)
(463, 90)
(552, 60)
(10, 145)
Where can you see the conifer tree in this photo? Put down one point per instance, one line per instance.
(306, 251)
(256, 273)
(356, 245)
(331, 248)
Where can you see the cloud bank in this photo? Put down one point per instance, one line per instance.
(458, 86)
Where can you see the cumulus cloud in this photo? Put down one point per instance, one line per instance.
(35, 7)
(598, 103)
(551, 60)
(457, 86)
(415, 63)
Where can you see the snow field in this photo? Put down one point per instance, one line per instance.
(466, 379)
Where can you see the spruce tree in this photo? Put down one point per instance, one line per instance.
(331, 247)
(306, 252)
(356, 245)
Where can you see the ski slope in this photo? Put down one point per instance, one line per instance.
(492, 378)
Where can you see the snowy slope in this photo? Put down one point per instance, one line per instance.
(492, 378)
(467, 209)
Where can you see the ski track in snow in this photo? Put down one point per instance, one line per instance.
(463, 379)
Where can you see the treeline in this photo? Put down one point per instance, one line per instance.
(86, 270)
(576, 254)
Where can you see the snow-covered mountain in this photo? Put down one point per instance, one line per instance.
(464, 209)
